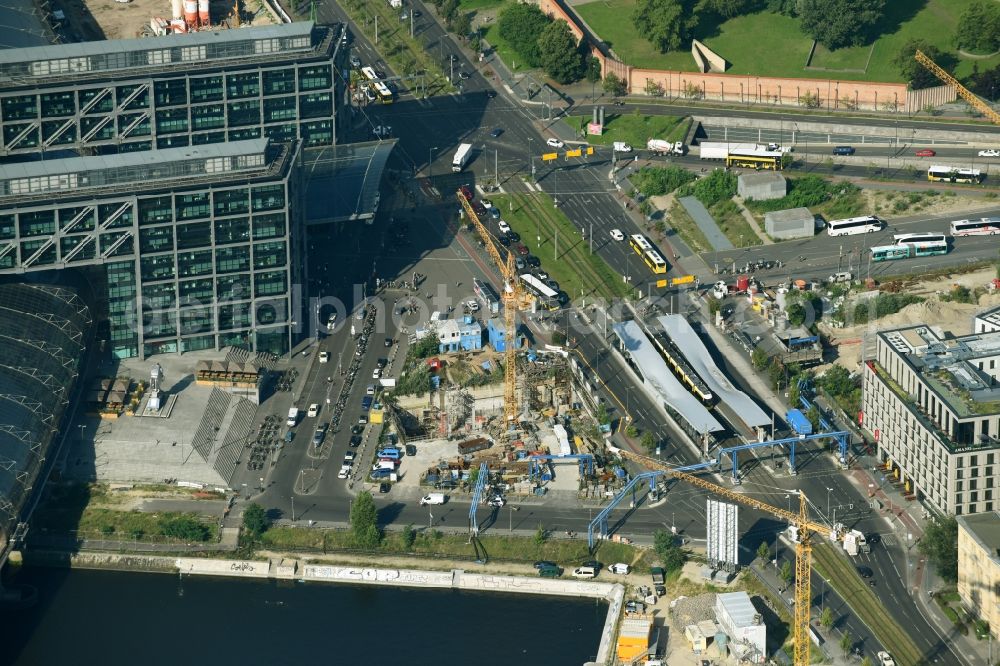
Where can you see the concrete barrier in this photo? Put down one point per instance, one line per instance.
(239, 568)
(373, 576)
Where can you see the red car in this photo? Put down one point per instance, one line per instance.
(466, 192)
(521, 248)
(926, 152)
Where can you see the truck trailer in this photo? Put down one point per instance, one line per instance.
(462, 156)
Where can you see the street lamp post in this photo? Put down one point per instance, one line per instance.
(293, 508)
(828, 491)
(430, 160)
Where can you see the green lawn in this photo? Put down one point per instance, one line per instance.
(578, 272)
(786, 47)
(503, 49)
(475, 5)
(685, 227)
(635, 129)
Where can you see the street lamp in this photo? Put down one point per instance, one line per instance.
(828, 491)
(430, 160)
(822, 596)
(293, 507)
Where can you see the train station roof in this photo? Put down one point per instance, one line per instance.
(684, 337)
(659, 381)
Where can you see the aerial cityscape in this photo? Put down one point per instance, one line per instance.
(583, 332)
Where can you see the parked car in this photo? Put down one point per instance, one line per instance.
(521, 248)
(533, 261)
(520, 264)
(363, 419)
(411, 450)
(584, 572)
(384, 487)
(552, 284)
(513, 237)
(554, 143)
(355, 441)
(318, 437)
(504, 227)
(494, 213)
(466, 192)
(925, 152)
(345, 471)
(989, 152)
(324, 357)
(550, 572)
(497, 131)
(388, 342)
(541, 275)
(617, 234)
(313, 410)
(620, 568)
(885, 659)
(355, 61)
(376, 373)
(545, 564)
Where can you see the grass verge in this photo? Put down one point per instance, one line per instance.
(433, 543)
(732, 223)
(577, 271)
(406, 55)
(634, 129)
(504, 50)
(686, 228)
(865, 604)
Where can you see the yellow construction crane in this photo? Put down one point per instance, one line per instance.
(803, 546)
(514, 298)
(962, 91)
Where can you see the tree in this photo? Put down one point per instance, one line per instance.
(776, 373)
(837, 381)
(826, 617)
(449, 10)
(409, 536)
(592, 69)
(813, 415)
(631, 430)
(184, 527)
(786, 7)
(614, 85)
(796, 314)
(839, 23)
(558, 53)
(648, 441)
(846, 642)
(364, 521)
(940, 545)
(668, 550)
(764, 551)
(520, 25)
(654, 88)
(602, 414)
(461, 25)
(985, 84)
(540, 535)
(793, 395)
(666, 24)
(809, 99)
(254, 521)
(759, 359)
(786, 572)
(916, 74)
(726, 8)
(978, 28)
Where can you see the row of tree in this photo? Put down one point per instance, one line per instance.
(541, 41)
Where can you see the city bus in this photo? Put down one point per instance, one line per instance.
(854, 225)
(986, 226)
(954, 174)
(891, 252)
(381, 90)
(929, 248)
(486, 295)
(762, 159)
(547, 297)
(642, 247)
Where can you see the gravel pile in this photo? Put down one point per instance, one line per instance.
(692, 610)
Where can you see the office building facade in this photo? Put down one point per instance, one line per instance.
(195, 248)
(932, 404)
(278, 82)
(979, 566)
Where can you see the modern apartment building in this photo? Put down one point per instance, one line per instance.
(195, 248)
(979, 566)
(933, 405)
(118, 96)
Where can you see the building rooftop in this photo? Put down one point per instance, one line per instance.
(660, 383)
(949, 366)
(991, 316)
(69, 175)
(636, 627)
(739, 608)
(764, 178)
(793, 217)
(985, 529)
(25, 66)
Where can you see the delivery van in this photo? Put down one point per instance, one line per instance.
(433, 498)
(293, 416)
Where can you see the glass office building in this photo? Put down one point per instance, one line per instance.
(277, 82)
(196, 248)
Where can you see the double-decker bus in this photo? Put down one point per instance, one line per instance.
(865, 224)
(642, 247)
(547, 297)
(954, 174)
(985, 226)
(381, 90)
(486, 295)
(891, 252)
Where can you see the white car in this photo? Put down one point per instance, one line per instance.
(324, 357)
(313, 410)
(497, 501)
(345, 471)
(382, 131)
(348, 457)
(554, 143)
(620, 568)
(473, 305)
(584, 572)
(504, 227)
(885, 659)
(376, 373)
(991, 152)
(617, 234)
(331, 322)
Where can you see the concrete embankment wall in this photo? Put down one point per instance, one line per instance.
(459, 579)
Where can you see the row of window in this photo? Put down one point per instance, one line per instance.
(234, 259)
(238, 201)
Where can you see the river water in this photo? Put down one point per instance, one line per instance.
(104, 617)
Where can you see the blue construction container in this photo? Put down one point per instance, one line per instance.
(798, 422)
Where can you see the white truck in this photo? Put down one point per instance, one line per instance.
(662, 147)
(433, 498)
(622, 147)
(293, 416)
(462, 156)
